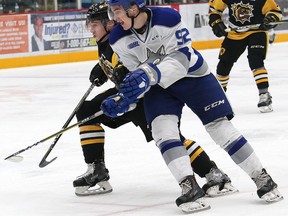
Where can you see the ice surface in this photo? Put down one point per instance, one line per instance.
(35, 102)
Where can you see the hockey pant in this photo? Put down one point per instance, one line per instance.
(231, 50)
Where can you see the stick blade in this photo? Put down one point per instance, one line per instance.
(15, 158)
(44, 163)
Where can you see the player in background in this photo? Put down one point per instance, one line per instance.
(92, 134)
(155, 46)
(243, 13)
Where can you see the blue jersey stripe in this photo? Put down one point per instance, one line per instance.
(185, 51)
(199, 62)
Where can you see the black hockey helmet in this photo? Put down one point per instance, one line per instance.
(98, 12)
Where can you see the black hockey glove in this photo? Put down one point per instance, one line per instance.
(119, 74)
(219, 28)
(97, 76)
(268, 19)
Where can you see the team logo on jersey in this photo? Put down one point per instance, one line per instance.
(133, 44)
(155, 57)
(242, 12)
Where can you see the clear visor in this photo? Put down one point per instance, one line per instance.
(116, 13)
(110, 13)
(93, 26)
(87, 23)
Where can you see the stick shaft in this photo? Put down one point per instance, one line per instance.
(255, 26)
(58, 133)
(43, 161)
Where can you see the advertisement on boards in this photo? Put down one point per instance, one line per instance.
(13, 34)
(59, 32)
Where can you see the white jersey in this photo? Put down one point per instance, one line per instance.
(165, 43)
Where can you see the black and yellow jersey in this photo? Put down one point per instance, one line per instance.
(243, 13)
(109, 63)
(105, 51)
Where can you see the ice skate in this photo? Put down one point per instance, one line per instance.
(192, 198)
(93, 181)
(218, 183)
(267, 188)
(265, 103)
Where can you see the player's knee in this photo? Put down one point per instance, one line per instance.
(165, 127)
(224, 68)
(82, 113)
(255, 61)
(222, 132)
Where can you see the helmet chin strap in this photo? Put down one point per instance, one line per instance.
(104, 23)
(142, 29)
(132, 19)
(107, 32)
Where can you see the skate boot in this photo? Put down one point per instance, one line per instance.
(218, 183)
(93, 181)
(267, 188)
(192, 198)
(265, 103)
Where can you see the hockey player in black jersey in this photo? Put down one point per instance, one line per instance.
(241, 14)
(92, 134)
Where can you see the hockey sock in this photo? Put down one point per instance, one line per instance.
(244, 156)
(200, 161)
(261, 79)
(223, 80)
(223, 132)
(176, 158)
(92, 139)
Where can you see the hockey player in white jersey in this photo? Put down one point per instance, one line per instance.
(155, 45)
(92, 133)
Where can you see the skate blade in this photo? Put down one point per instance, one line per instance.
(195, 206)
(272, 196)
(227, 190)
(266, 109)
(101, 188)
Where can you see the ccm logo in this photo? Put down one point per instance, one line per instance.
(213, 105)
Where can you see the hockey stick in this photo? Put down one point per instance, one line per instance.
(254, 26)
(17, 158)
(44, 162)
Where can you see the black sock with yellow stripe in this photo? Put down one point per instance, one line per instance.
(92, 138)
(223, 80)
(200, 161)
(261, 79)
